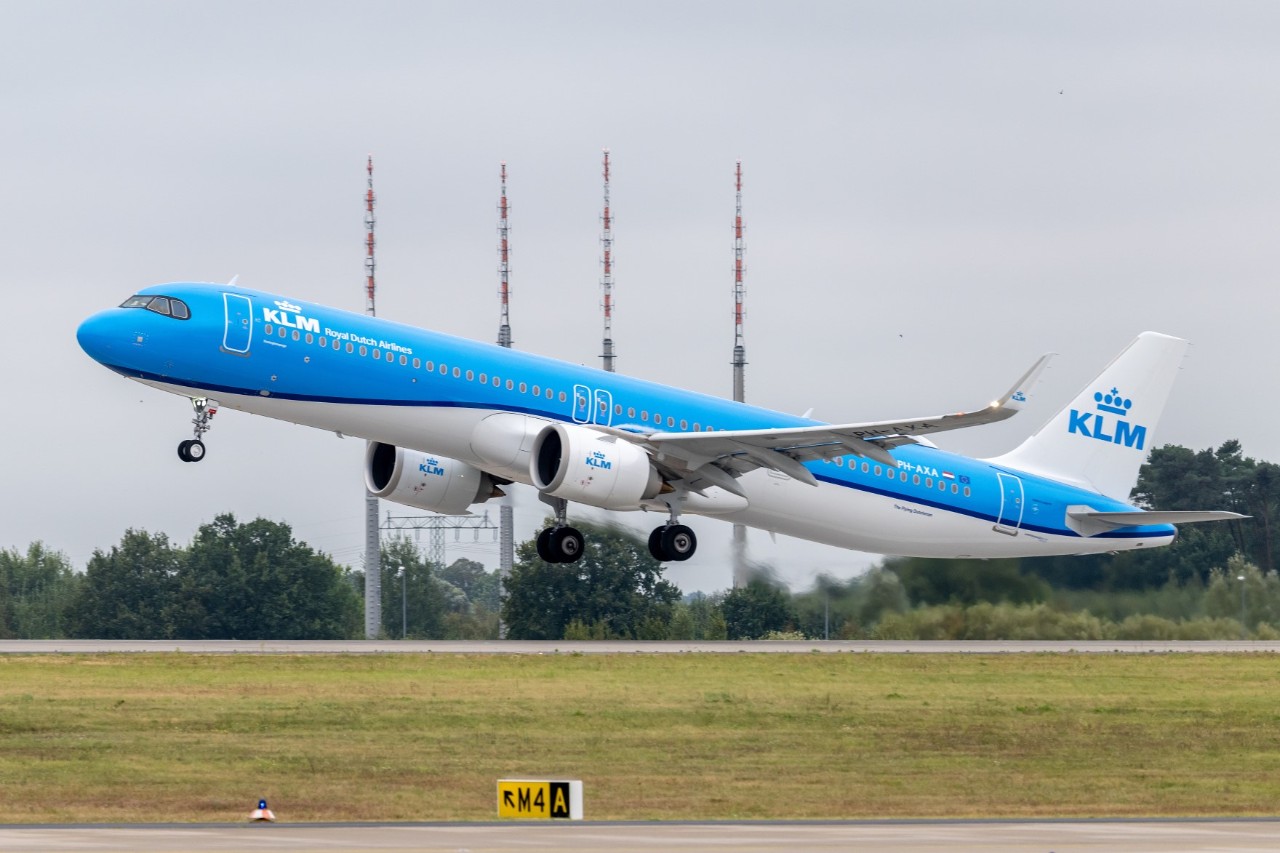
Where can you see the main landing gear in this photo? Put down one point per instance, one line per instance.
(560, 543)
(192, 450)
(671, 543)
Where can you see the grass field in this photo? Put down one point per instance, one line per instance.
(180, 737)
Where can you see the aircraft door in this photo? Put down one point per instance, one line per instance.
(1010, 504)
(604, 408)
(238, 332)
(581, 404)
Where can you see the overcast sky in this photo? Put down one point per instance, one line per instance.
(935, 194)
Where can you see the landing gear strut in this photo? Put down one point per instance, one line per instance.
(560, 543)
(192, 450)
(672, 542)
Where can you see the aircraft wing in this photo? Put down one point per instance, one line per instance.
(784, 449)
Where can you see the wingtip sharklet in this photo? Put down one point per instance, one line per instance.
(1016, 397)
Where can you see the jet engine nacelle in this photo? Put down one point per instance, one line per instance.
(423, 481)
(582, 465)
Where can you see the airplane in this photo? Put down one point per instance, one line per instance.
(450, 421)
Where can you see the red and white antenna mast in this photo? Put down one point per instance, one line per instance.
(506, 509)
(739, 292)
(504, 266)
(372, 526)
(370, 221)
(740, 571)
(606, 281)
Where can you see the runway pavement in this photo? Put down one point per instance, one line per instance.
(549, 647)
(1135, 836)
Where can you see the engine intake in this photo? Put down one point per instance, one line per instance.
(582, 465)
(420, 480)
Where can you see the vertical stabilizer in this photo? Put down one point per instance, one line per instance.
(1102, 438)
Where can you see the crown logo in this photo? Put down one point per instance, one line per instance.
(1113, 401)
(286, 305)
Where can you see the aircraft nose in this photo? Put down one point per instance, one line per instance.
(98, 335)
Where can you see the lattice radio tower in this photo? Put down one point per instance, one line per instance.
(739, 362)
(606, 280)
(372, 537)
(506, 510)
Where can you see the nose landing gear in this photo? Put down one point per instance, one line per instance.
(192, 450)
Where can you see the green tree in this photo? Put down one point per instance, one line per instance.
(754, 610)
(482, 588)
(36, 593)
(255, 581)
(129, 592)
(615, 590)
(418, 601)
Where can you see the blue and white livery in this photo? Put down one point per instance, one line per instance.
(450, 421)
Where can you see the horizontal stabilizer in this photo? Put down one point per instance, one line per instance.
(1085, 521)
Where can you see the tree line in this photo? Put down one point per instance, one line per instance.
(255, 581)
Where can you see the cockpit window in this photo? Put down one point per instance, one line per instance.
(166, 305)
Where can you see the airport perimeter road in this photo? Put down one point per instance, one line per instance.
(551, 647)
(1156, 836)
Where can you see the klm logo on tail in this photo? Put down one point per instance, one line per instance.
(1095, 424)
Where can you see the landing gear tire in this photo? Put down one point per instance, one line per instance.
(191, 450)
(655, 545)
(672, 543)
(566, 545)
(560, 545)
(544, 546)
(679, 542)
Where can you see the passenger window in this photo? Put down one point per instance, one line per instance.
(644, 416)
(955, 489)
(550, 393)
(311, 338)
(877, 471)
(563, 396)
(324, 342)
(444, 369)
(364, 351)
(376, 353)
(524, 388)
(350, 347)
(283, 331)
(684, 425)
(417, 362)
(497, 383)
(510, 385)
(537, 391)
(839, 461)
(966, 491)
(903, 476)
(296, 335)
(928, 482)
(697, 428)
(471, 376)
(631, 411)
(266, 328)
(484, 379)
(430, 366)
(457, 372)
